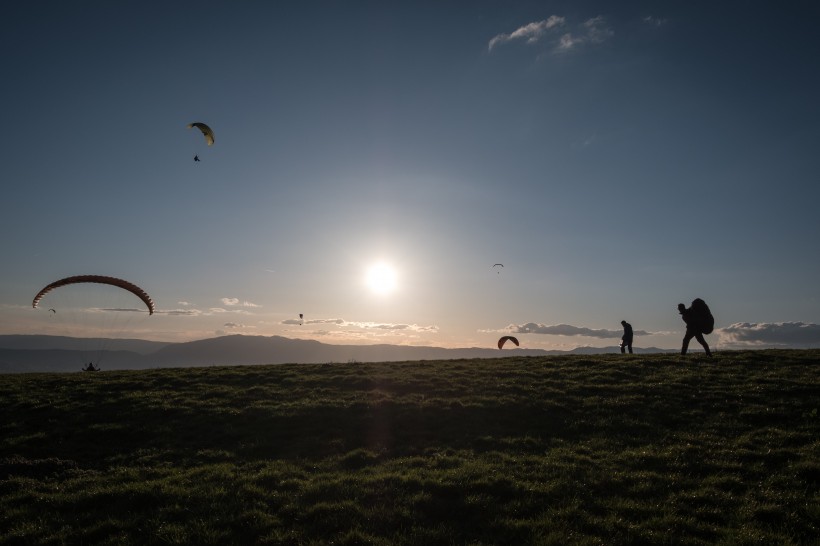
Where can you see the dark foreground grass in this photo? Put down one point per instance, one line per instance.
(657, 449)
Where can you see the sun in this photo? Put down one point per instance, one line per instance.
(381, 278)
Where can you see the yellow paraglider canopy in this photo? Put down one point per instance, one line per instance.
(206, 131)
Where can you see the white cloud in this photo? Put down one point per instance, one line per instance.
(531, 32)
(592, 31)
(568, 330)
(365, 325)
(119, 309)
(597, 31)
(390, 326)
(237, 326)
(325, 321)
(180, 312)
(770, 334)
(234, 302)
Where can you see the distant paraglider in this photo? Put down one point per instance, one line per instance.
(497, 265)
(206, 131)
(301, 317)
(504, 340)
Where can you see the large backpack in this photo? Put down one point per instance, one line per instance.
(703, 316)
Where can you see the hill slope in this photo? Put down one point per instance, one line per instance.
(552, 450)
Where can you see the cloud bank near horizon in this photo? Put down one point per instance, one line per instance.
(745, 335)
(363, 325)
(569, 330)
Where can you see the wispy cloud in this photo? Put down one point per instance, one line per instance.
(568, 330)
(365, 325)
(531, 32)
(313, 321)
(234, 302)
(119, 309)
(592, 31)
(770, 334)
(390, 326)
(179, 312)
(237, 326)
(200, 312)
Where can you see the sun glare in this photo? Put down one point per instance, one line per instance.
(381, 278)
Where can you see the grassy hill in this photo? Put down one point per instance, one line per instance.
(608, 449)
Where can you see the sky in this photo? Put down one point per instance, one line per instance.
(616, 158)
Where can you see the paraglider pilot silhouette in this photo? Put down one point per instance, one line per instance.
(699, 321)
(626, 339)
(207, 132)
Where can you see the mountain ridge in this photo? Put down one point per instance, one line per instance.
(60, 354)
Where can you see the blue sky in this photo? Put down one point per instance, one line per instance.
(617, 158)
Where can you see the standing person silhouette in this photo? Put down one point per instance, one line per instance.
(626, 339)
(693, 330)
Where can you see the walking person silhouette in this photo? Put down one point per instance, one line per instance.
(626, 339)
(698, 321)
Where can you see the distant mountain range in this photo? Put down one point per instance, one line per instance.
(36, 353)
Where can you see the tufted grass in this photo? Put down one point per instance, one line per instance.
(612, 449)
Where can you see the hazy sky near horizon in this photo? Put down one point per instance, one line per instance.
(617, 158)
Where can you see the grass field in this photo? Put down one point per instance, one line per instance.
(615, 449)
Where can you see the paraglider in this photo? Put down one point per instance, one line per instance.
(206, 131)
(196, 158)
(504, 340)
(301, 316)
(496, 265)
(94, 310)
(99, 279)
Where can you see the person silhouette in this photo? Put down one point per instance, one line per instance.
(626, 339)
(90, 368)
(693, 330)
